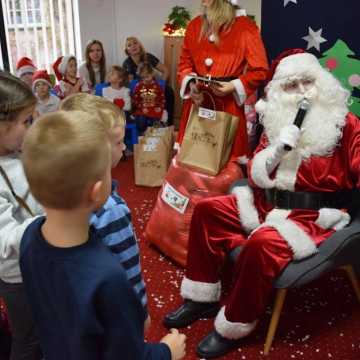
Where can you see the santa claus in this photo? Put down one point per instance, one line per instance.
(299, 180)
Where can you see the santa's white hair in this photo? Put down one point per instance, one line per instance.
(324, 121)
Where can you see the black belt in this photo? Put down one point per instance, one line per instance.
(223, 78)
(284, 199)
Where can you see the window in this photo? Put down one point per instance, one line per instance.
(22, 13)
(42, 30)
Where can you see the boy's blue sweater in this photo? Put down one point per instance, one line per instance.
(83, 305)
(113, 226)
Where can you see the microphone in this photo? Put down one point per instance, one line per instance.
(304, 106)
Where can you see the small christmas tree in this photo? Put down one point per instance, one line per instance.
(343, 64)
(177, 20)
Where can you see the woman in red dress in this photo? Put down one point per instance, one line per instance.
(223, 44)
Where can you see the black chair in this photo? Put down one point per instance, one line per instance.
(341, 250)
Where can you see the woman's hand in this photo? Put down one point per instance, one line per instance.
(222, 88)
(195, 94)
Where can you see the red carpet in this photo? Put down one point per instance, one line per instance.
(319, 321)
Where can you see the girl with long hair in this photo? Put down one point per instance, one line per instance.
(93, 70)
(17, 211)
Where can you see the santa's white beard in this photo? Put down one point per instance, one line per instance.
(322, 127)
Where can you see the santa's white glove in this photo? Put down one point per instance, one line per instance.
(265, 161)
(289, 135)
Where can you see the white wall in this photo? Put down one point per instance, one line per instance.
(253, 7)
(111, 21)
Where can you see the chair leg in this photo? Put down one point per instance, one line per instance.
(279, 302)
(353, 278)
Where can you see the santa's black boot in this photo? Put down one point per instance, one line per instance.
(189, 312)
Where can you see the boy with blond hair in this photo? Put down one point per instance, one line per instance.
(113, 219)
(84, 307)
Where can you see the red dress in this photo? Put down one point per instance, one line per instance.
(239, 55)
(266, 234)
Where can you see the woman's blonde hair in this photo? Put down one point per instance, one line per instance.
(219, 16)
(108, 112)
(143, 55)
(64, 152)
(15, 96)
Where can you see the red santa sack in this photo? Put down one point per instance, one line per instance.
(182, 189)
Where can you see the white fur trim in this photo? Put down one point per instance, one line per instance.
(240, 12)
(242, 160)
(200, 291)
(232, 330)
(258, 170)
(239, 93)
(25, 70)
(248, 214)
(295, 65)
(286, 172)
(185, 88)
(332, 219)
(299, 242)
(64, 63)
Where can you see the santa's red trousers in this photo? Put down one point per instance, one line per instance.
(215, 230)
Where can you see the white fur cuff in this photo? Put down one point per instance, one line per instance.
(239, 93)
(242, 160)
(248, 214)
(332, 219)
(200, 291)
(258, 171)
(232, 330)
(185, 88)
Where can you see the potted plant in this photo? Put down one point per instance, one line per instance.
(177, 21)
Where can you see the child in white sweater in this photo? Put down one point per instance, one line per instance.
(17, 210)
(117, 92)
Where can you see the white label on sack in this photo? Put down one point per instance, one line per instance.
(207, 113)
(152, 140)
(149, 147)
(174, 199)
(159, 131)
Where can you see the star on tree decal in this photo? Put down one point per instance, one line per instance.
(287, 1)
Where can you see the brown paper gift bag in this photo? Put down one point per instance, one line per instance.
(208, 139)
(151, 160)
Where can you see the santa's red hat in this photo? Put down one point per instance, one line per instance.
(60, 66)
(41, 76)
(293, 62)
(25, 66)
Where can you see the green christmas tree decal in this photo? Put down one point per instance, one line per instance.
(340, 61)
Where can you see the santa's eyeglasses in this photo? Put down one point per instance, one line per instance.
(298, 84)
